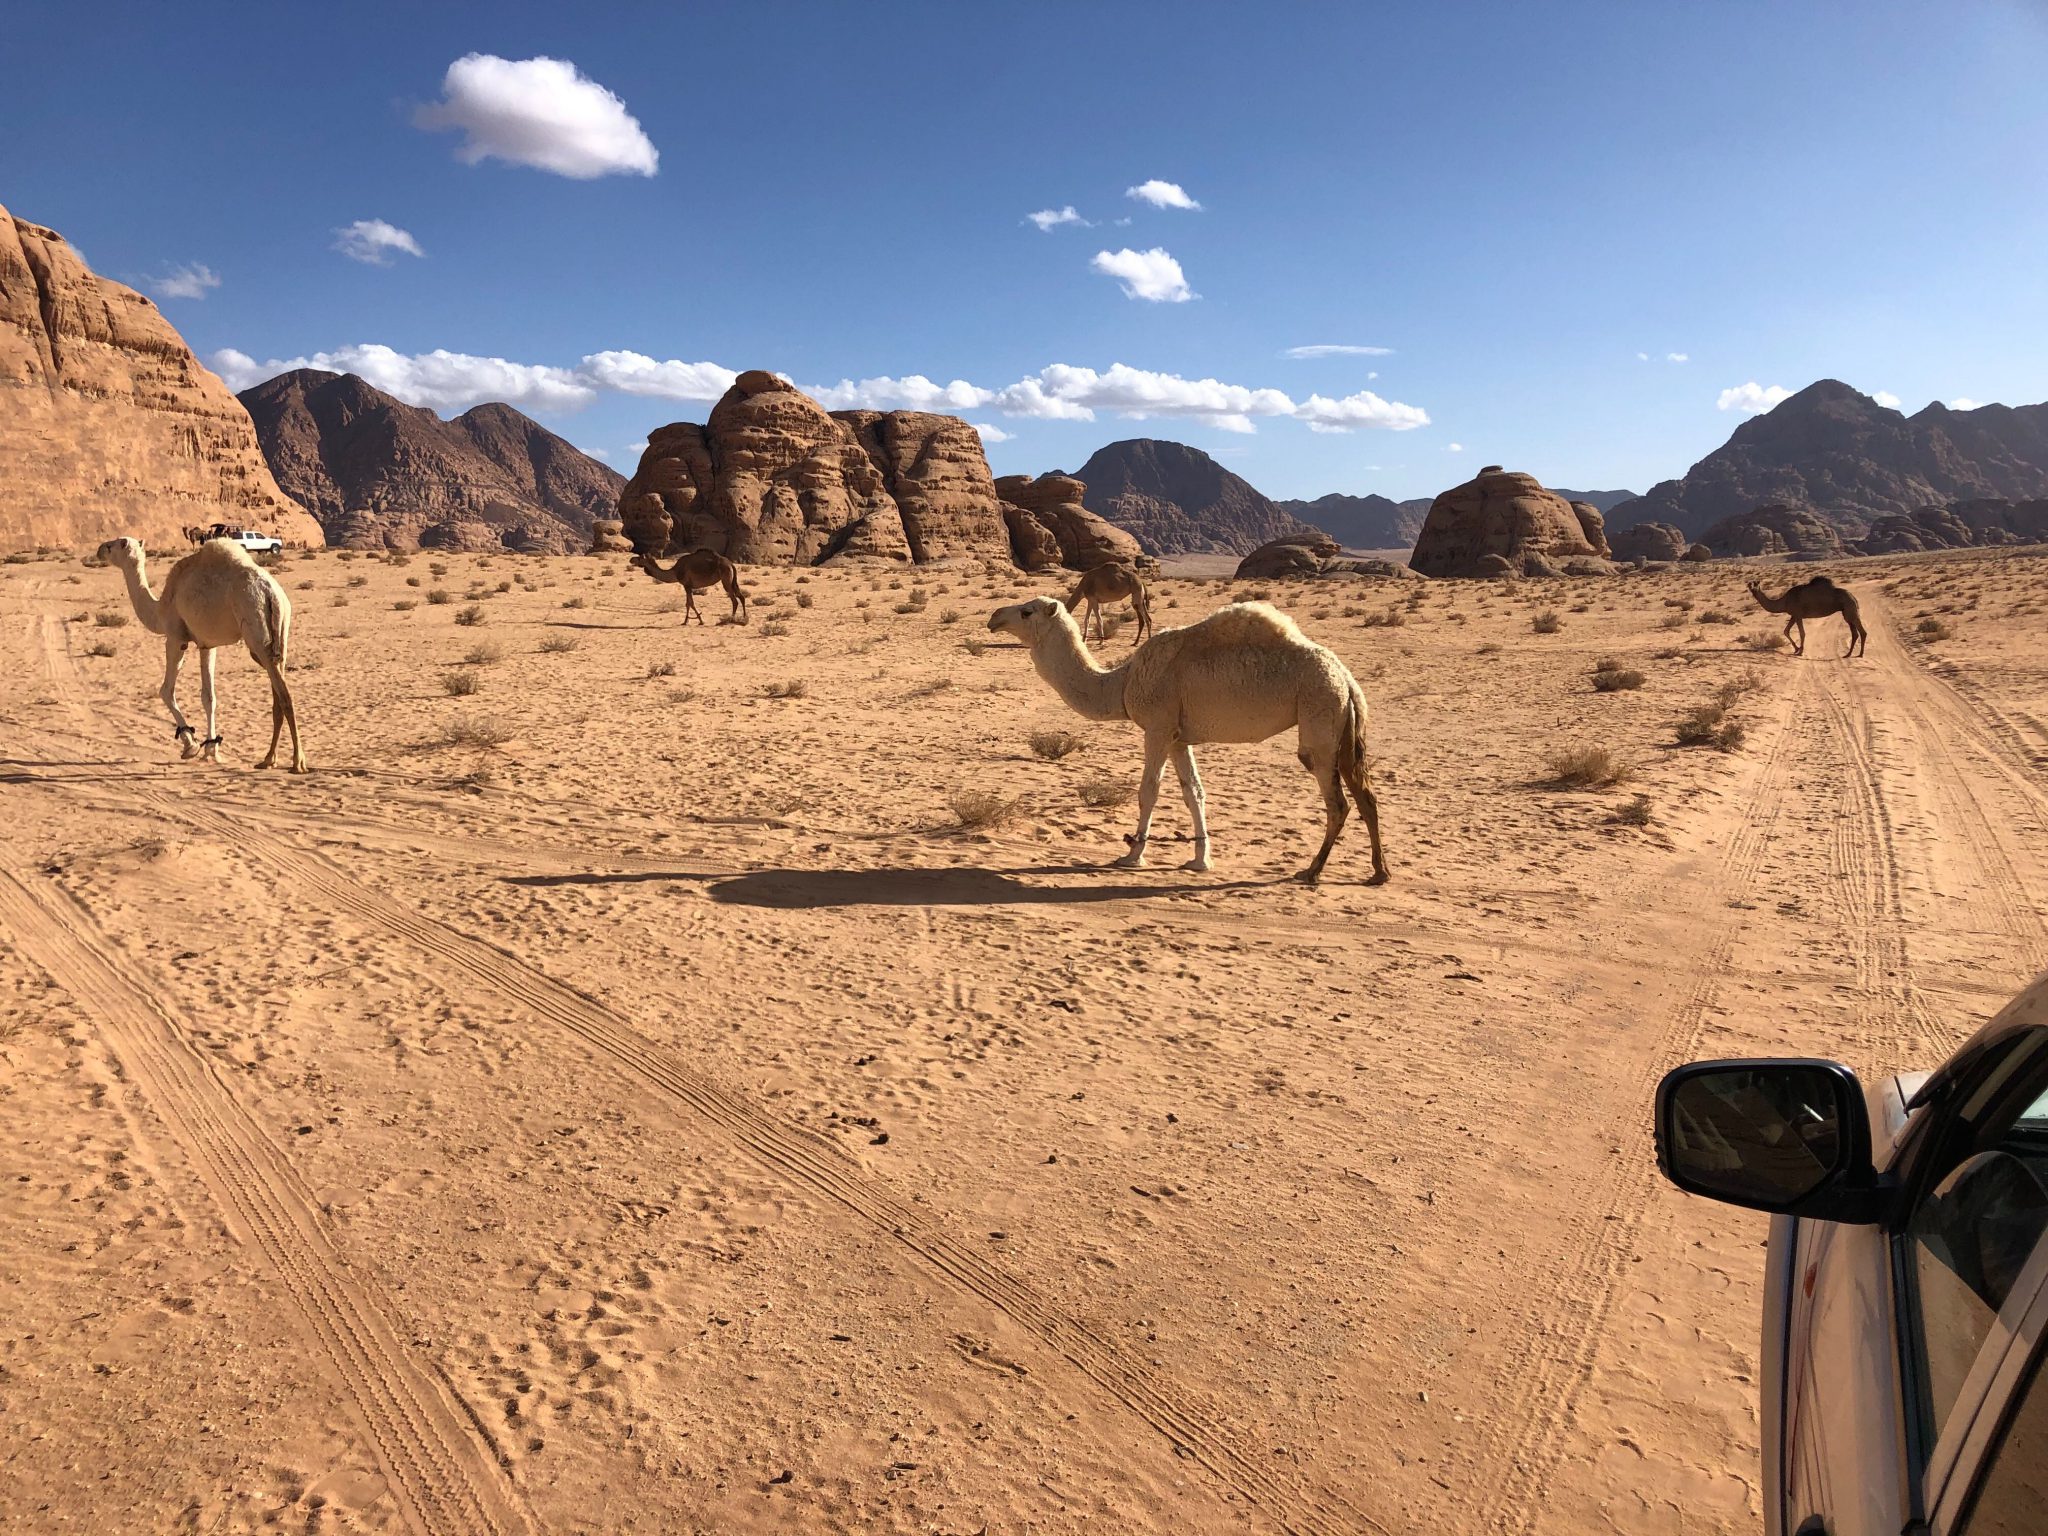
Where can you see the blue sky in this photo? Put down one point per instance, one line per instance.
(1516, 201)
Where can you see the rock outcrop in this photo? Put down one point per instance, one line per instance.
(1500, 522)
(1301, 554)
(1362, 522)
(1593, 526)
(1838, 452)
(381, 474)
(109, 426)
(1177, 500)
(772, 477)
(1776, 529)
(1649, 541)
(608, 537)
(1050, 525)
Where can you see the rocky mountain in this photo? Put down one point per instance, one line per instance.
(1502, 523)
(1836, 451)
(109, 425)
(381, 474)
(1362, 522)
(1602, 501)
(1179, 501)
(773, 477)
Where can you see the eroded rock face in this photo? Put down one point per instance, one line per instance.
(1774, 529)
(608, 537)
(1050, 508)
(109, 426)
(774, 478)
(1500, 515)
(1593, 526)
(1177, 500)
(1301, 554)
(1649, 541)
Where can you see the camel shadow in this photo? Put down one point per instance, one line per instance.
(812, 889)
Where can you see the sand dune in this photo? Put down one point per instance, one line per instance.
(617, 1098)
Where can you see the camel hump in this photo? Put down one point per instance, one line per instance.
(1251, 624)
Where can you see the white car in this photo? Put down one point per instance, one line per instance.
(255, 543)
(1905, 1339)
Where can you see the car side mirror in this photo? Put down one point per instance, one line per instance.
(1791, 1137)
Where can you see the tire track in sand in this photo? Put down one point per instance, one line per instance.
(443, 1475)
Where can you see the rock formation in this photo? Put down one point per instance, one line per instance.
(1649, 541)
(1775, 529)
(1301, 554)
(1835, 450)
(1362, 522)
(1498, 523)
(1592, 525)
(1603, 501)
(109, 426)
(1177, 500)
(1050, 525)
(608, 537)
(381, 474)
(773, 478)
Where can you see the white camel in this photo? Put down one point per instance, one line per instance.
(213, 597)
(1242, 674)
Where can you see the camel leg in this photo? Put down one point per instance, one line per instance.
(1369, 808)
(1143, 606)
(283, 715)
(1334, 813)
(690, 604)
(1148, 797)
(1198, 807)
(1857, 636)
(174, 661)
(737, 598)
(210, 744)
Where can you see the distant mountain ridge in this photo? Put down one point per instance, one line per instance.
(1176, 500)
(1835, 450)
(1603, 502)
(378, 473)
(1362, 522)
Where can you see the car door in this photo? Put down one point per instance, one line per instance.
(1995, 1472)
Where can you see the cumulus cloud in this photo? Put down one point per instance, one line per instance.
(1887, 399)
(374, 242)
(991, 434)
(439, 380)
(191, 281)
(1642, 357)
(1752, 399)
(1454, 447)
(1676, 357)
(912, 393)
(634, 373)
(1052, 218)
(1336, 349)
(541, 112)
(1064, 390)
(1152, 275)
(1964, 403)
(1162, 194)
(1364, 409)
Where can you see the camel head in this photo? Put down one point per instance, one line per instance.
(1031, 622)
(122, 552)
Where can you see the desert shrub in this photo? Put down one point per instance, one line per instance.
(461, 683)
(1587, 766)
(440, 596)
(1616, 680)
(774, 628)
(476, 731)
(795, 688)
(950, 616)
(978, 808)
(1105, 791)
(804, 600)
(1547, 622)
(1673, 620)
(974, 645)
(305, 586)
(483, 655)
(558, 645)
(101, 648)
(1636, 813)
(575, 602)
(339, 600)
(412, 581)
(1928, 629)
(1054, 745)
(1709, 726)
(1716, 616)
(110, 618)
(661, 669)
(503, 586)
(1491, 648)
(404, 604)
(1764, 640)
(681, 695)
(1749, 680)
(1669, 653)
(359, 581)
(472, 615)
(1388, 618)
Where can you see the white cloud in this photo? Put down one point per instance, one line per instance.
(1751, 399)
(1642, 357)
(639, 447)
(540, 112)
(190, 281)
(1364, 409)
(914, 392)
(991, 434)
(1676, 357)
(599, 453)
(1066, 391)
(1335, 349)
(634, 373)
(1151, 275)
(1454, 447)
(1965, 403)
(1887, 399)
(373, 242)
(1162, 194)
(1052, 218)
(439, 380)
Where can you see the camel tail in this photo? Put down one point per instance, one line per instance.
(280, 626)
(1351, 747)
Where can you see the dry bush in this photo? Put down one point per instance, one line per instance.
(1672, 620)
(305, 586)
(1616, 680)
(483, 655)
(976, 809)
(1709, 726)
(795, 688)
(1635, 814)
(774, 628)
(576, 602)
(1390, 618)
(472, 615)
(476, 731)
(1588, 766)
(439, 596)
(974, 645)
(927, 689)
(1716, 616)
(108, 618)
(950, 616)
(1054, 745)
(412, 581)
(461, 683)
(404, 605)
(804, 600)
(1669, 653)
(1547, 622)
(661, 669)
(1105, 791)
(101, 648)
(359, 581)
(558, 645)
(1764, 640)
(1928, 629)
(1491, 648)
(1749, 680)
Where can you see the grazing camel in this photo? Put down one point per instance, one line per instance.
(699, 569)
(1111, 582)
(1242, 674)
(213, 597)
(1814, 599)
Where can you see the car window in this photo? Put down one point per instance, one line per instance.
(1968, 1239)
(2012, 1495)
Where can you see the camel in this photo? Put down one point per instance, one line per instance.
(699, 569)
(1111, 582)
(213, 597)
(1244, 673)
(1815, 599)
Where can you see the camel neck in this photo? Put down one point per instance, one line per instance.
(1768, 603)
(143, 599)
(1089, 690)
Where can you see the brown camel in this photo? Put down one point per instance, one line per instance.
(1111, 582)
(697, 571)
(1814, 599)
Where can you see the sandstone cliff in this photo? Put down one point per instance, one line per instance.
(108, 424)
(1050, 525)
(1178, 501)
(1500, 523)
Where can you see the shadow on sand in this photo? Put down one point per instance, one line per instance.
(805, 889)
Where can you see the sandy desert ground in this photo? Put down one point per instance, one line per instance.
(617, 1099)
